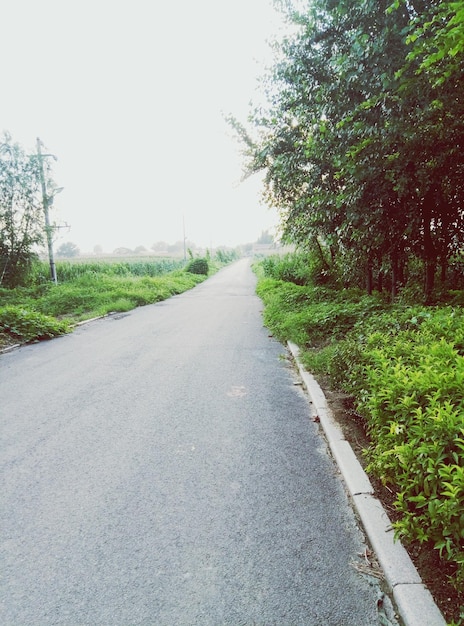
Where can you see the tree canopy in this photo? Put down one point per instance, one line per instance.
(21, 223)
(362, 140)
(68, 249)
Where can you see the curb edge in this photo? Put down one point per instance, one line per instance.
(413, 600)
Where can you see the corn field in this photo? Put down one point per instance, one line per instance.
(68, 271)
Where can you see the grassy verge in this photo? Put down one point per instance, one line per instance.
(403, 366)
(43, 310)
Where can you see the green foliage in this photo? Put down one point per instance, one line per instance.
(198, 266)
(28, 325)
(226, 256)
(21, 216)
(291, 268)
(98, 289)
(404, 368)
(309, 315)
(359, 99)
(437, 40)
(68, 271)
(68, 249)
(91, 295)
(415, 409)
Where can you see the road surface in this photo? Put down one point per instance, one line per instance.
(161, 468)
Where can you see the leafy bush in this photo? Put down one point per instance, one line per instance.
(226, 256)
(14, 269)
(198, 266)
(414, 407)
(292, 268)
(27, 325)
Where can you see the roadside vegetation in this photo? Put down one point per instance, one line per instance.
(402, 364)
(39, 309)
(361, 147)
(360, 142)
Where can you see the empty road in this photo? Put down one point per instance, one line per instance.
(161, 468)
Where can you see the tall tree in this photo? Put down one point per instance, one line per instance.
(21, 211)
(431, 90)
(360, 147)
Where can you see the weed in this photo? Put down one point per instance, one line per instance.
(28, 325)
(91, 290)
(198, 266)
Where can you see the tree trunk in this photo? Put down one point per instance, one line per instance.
(324, 261)
(430, 253)
(380, 281)
(394, 274)
(369, 278)
(443, 270)
(429, 284)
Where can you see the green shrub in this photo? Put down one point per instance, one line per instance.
(414, 407)
(292, 268)
(27, 325)
(198, 266)
(226, 256)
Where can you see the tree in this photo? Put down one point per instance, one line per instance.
(318, 124)
(431, 80)
(437, 37)
(159, 246)
(68, 249)
(21, 212)
(265, 238)
(361, 145)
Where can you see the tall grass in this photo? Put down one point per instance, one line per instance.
(92, 295)
(86, 290)
(68, 271)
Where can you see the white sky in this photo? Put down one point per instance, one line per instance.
(129, 96)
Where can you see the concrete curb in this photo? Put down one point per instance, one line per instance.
(10, 348)
(413, 600)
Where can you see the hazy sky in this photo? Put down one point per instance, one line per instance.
(129, 96)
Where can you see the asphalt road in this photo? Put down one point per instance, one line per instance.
(162, 468)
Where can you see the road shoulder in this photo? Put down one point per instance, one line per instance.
(412, 598)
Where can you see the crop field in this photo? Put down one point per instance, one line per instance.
(69, 270)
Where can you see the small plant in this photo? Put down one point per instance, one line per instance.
(226, 256)
(198, 266)
(26, 325)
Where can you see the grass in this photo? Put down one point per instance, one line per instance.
(87, 290)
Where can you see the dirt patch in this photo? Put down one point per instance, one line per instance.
(434, 571)
(6, 342)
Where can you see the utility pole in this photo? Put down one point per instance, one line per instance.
(45, 202)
